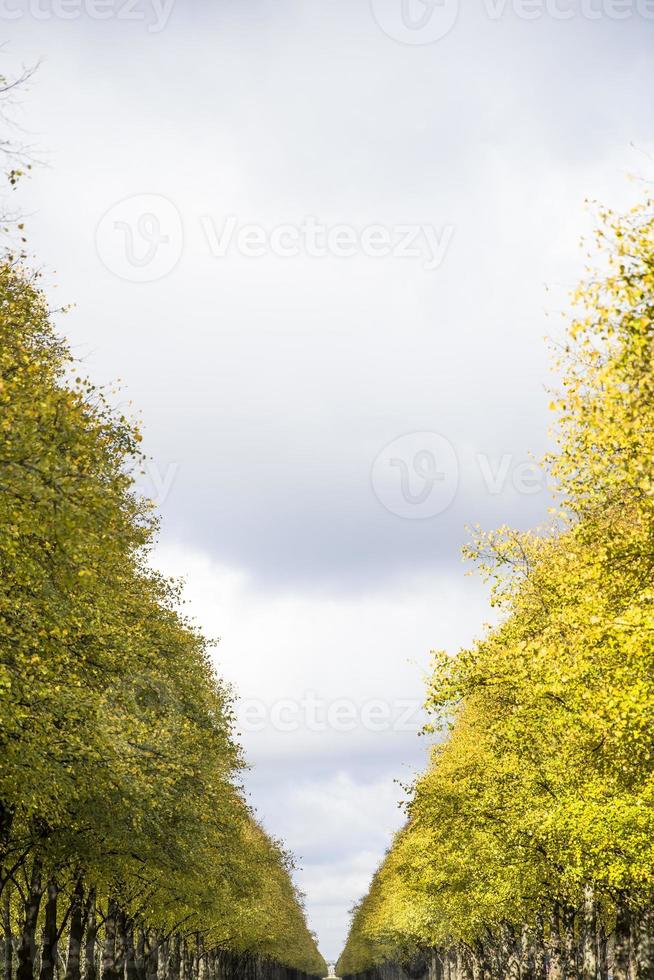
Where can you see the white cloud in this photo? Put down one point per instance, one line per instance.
(308, 651)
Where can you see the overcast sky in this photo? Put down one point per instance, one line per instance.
(321, 243)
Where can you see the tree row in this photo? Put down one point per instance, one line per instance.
(127, 850)
(528, 850)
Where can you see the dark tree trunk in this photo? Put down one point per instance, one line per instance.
(27, 947)
(6, 820)
(109, 947)
(50, 937)
(163, 959)
(139, 961)
(621, 943)
(6, 928)
(174, 960)
(130, 952)
(90, 969)
(76, 931)
(121, 944)
(555, 946)
(152, 960)
(570, 944)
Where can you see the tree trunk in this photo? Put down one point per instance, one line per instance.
(603, 953)
(510, 958)
(164, 964)
(174, 959)
(589, 936)
(556, 950)
(526, 954)
(622, 941)
(6, 820)
(489, 954)
(186, 962)
(197, 956)
(121, 944)
(152, 960)
(90, 969)
(27, 947)
(539, 958)
(139, 959)
(570, 944)
(109, 948)
(645, 946)
(131, 972)
(76, 931)
(6, 928)
(50, 937)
